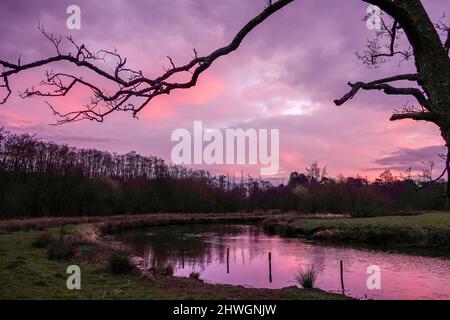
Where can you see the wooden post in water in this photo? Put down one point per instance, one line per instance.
(228, 260)
(270, 267)
(342, 276)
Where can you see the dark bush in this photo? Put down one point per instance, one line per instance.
(119, 263)
(165, 269)
(194, 275)
(43, 240)
(60, 250)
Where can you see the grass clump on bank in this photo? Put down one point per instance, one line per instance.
(119, 263)
(60, 250)
(57, 249)
(43, 240)
(307, 278)
(166, 269)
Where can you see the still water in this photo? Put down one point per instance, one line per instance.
(204, 249)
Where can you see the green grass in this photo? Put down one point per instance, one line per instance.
(27, 273)
(428, 230)
(429, 221)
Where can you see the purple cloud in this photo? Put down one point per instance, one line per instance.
(285, 76)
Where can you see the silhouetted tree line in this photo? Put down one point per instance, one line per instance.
(40, 178)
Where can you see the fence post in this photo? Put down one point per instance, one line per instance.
(228, 260)
(342, 276)
(270, 267)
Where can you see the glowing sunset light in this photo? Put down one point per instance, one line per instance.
(281, 80)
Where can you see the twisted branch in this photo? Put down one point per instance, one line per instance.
(132, 83)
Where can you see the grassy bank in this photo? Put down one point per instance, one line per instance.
(27, 273)
(429, 230)
(109, 224)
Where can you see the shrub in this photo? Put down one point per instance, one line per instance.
(87, 251)
(60, 250)
(168, 270)
(270, 224)
(307, 278)
(287, 230)
(86, 233)
(194, 275)
(119, 263)
(163, 269)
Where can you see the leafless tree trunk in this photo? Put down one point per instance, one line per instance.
(431, 81)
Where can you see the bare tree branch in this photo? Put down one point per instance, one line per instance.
(385, 44)
(445, 31)
(382, 84)
(132, 83)
(419, 116)
(431, 180)
(390, 7)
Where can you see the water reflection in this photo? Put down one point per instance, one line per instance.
(239, 255)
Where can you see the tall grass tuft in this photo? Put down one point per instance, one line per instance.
(43, 240)
(86, 233)
(119, 263)
(61, 248)
(307, 278)
(166, 269)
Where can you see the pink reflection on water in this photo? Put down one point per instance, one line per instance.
(203, 249)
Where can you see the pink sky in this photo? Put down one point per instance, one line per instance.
(285, 76)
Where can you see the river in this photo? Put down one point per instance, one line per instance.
(239, 255)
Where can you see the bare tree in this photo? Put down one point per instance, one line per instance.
(430, 84)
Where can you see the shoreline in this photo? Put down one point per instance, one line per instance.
(414, 232)
(20, 258)
(29, 274)
(110, 224)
